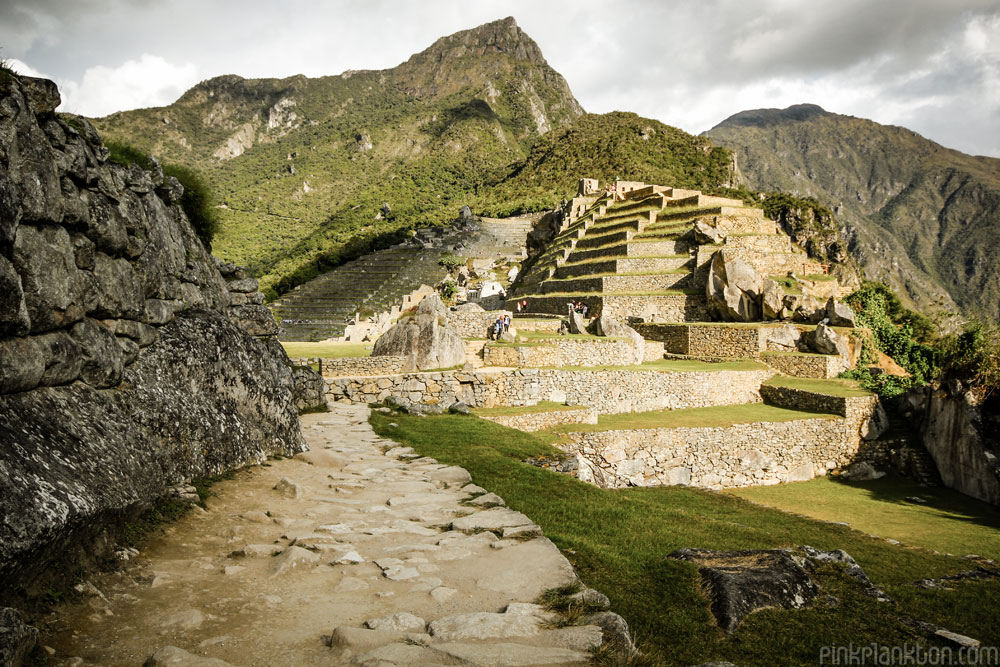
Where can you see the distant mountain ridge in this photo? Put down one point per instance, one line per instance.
(923, 218)
(303, 165)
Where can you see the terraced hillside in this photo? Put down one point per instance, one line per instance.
(372, 284)
(642, 257)
(324, 306)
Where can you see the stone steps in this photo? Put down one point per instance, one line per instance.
(617, 283)
(624, 265)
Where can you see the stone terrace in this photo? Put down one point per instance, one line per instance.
(640, 256)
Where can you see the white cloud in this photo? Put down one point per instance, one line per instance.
(149, 81)
(24, 68)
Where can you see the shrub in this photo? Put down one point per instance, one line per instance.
(451, 262)
(895, 333)
(196, 201)
(974, 356)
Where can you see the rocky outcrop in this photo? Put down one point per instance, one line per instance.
(607, 325)
(17, 638)
(951, 427)
(127, 363)
(734, 289)
(742, 582)
(425, 338)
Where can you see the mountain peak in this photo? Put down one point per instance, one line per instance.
(769, 117)
(500, 36)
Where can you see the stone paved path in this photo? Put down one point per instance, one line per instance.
(293, 560)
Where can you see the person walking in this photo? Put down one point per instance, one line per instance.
(506, 323)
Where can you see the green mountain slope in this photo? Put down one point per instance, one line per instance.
(922, 218)
(301, 166)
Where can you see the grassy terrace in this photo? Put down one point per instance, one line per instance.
(618, 541)
(949, 521)
(509, 411)
(718, 416)
(832, 387)
(327, 350)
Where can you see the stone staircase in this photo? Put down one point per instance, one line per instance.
(640, 256)
(323, 307)
(900, 448)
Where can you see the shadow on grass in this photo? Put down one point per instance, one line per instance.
(898, 490)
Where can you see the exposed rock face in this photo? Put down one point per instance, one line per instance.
(17, 638)
(839, 314)
(734, 289)
(772, 300)
(425, 339)
(742, 582)
(951, 427)
(607, 325)
(122, 372)
(826, 340)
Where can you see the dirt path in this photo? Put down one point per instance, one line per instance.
(291, 560)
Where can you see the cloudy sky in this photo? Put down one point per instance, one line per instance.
(930, 65)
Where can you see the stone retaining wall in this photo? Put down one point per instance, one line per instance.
(536, 421)
(767, 243)
(805, 365)
(565, 352)
(356, 366)
(660, 307)
(610, 392)
(472, 322)
(718, 457)
(707, 340)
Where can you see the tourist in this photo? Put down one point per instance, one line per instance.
(518, 306)
(524, 305)
(506, 323)
(583, 309)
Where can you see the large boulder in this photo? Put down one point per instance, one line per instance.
(17, 638)
(804, 308)
(425, 338)
(734, 289)
(608, 325)
(742, 582)
(772, 301)
(826, 340)
(784, 338)
(577, 325)
(839, 314)
(707, 234)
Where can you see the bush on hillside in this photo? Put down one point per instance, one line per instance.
(898, 332)
(196, 201)
(974, 357)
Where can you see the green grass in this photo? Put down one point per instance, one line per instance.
(543, 406)
(718, 416)
(832, 387)
(618, 541)
(327, 350)
(949, 521)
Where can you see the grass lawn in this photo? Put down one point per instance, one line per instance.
(949, 521)
(831, 387)
(543, 406)
(618, 541)
(327, 350)
(715, 416)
